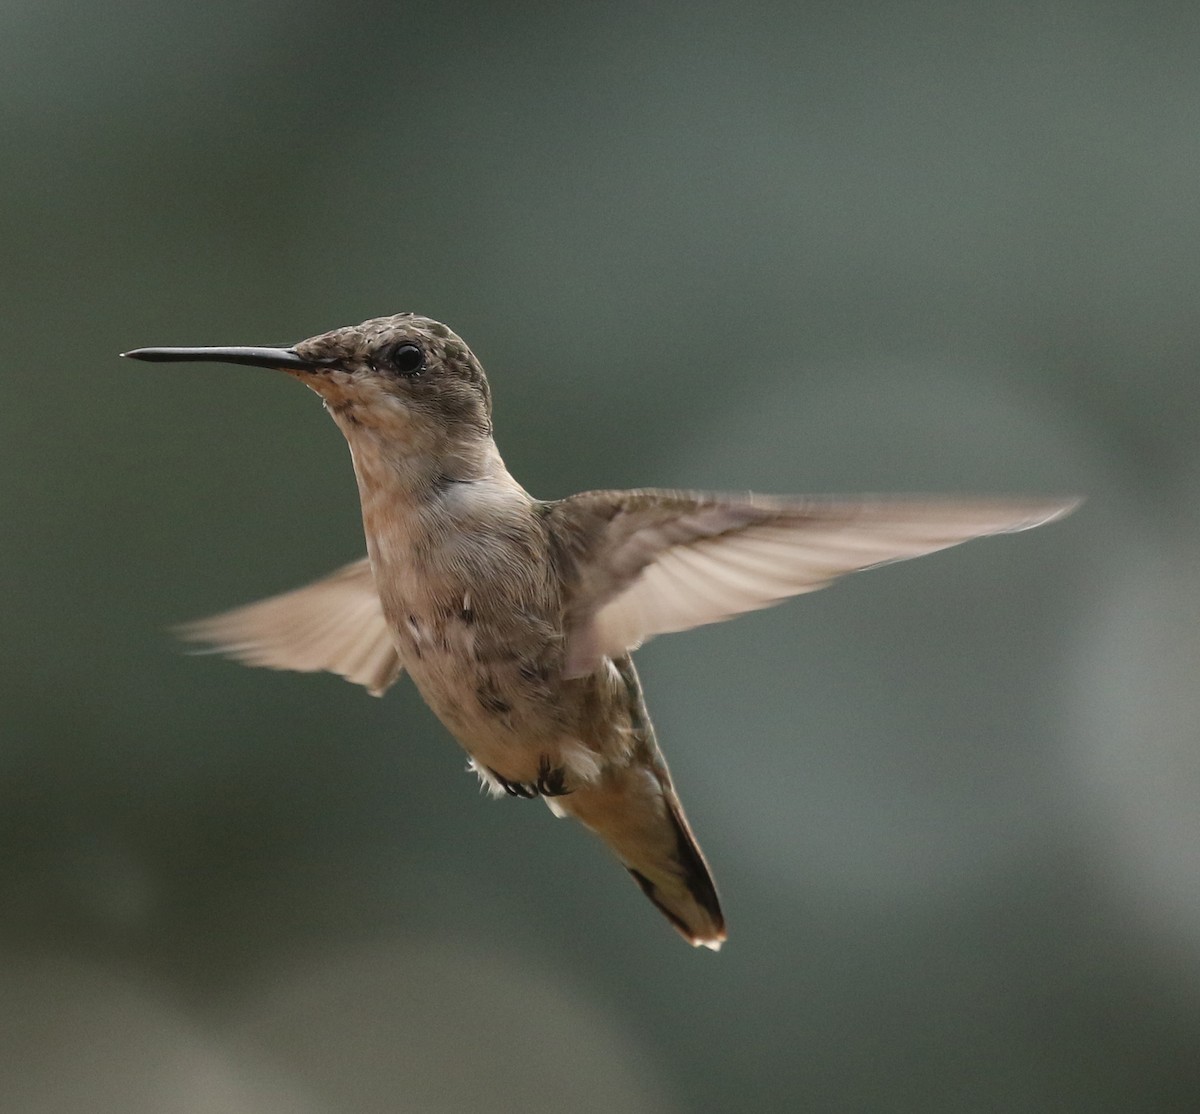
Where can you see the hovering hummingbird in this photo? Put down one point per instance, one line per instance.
(516, 618)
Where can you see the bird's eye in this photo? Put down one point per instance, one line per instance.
(408, 359)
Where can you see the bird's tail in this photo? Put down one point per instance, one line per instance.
(634, 809)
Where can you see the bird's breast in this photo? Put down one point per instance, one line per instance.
(478, 626)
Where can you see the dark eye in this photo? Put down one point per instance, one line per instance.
(408, 359)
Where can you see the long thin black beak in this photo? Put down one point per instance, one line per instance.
(285, 359)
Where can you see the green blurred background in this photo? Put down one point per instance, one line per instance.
(952, 805)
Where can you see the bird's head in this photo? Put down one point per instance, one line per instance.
(403, 378)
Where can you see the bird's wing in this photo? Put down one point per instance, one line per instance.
(649, 562)
(333, 624)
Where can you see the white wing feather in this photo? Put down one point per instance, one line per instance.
(335, 624)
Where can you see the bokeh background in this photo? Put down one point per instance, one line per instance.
(953, 806)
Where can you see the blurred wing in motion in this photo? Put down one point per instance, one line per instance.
(650, 562)
(334, 624)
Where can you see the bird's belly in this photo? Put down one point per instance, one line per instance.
(509, 732)
(502, 707)
(474, 702)
(489, 664)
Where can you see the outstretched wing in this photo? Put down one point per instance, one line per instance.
(650, 562)
(334, 624)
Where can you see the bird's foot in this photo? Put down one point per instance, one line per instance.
(550, 782)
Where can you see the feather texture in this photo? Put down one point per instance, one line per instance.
(651, 562)
(334, 624)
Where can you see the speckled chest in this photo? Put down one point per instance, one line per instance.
(478, 639)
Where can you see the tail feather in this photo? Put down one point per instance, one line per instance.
(634, 809)
(705, 924)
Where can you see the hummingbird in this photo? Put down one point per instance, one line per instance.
(517, 617)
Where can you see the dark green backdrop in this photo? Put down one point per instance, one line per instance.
(952, 806)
